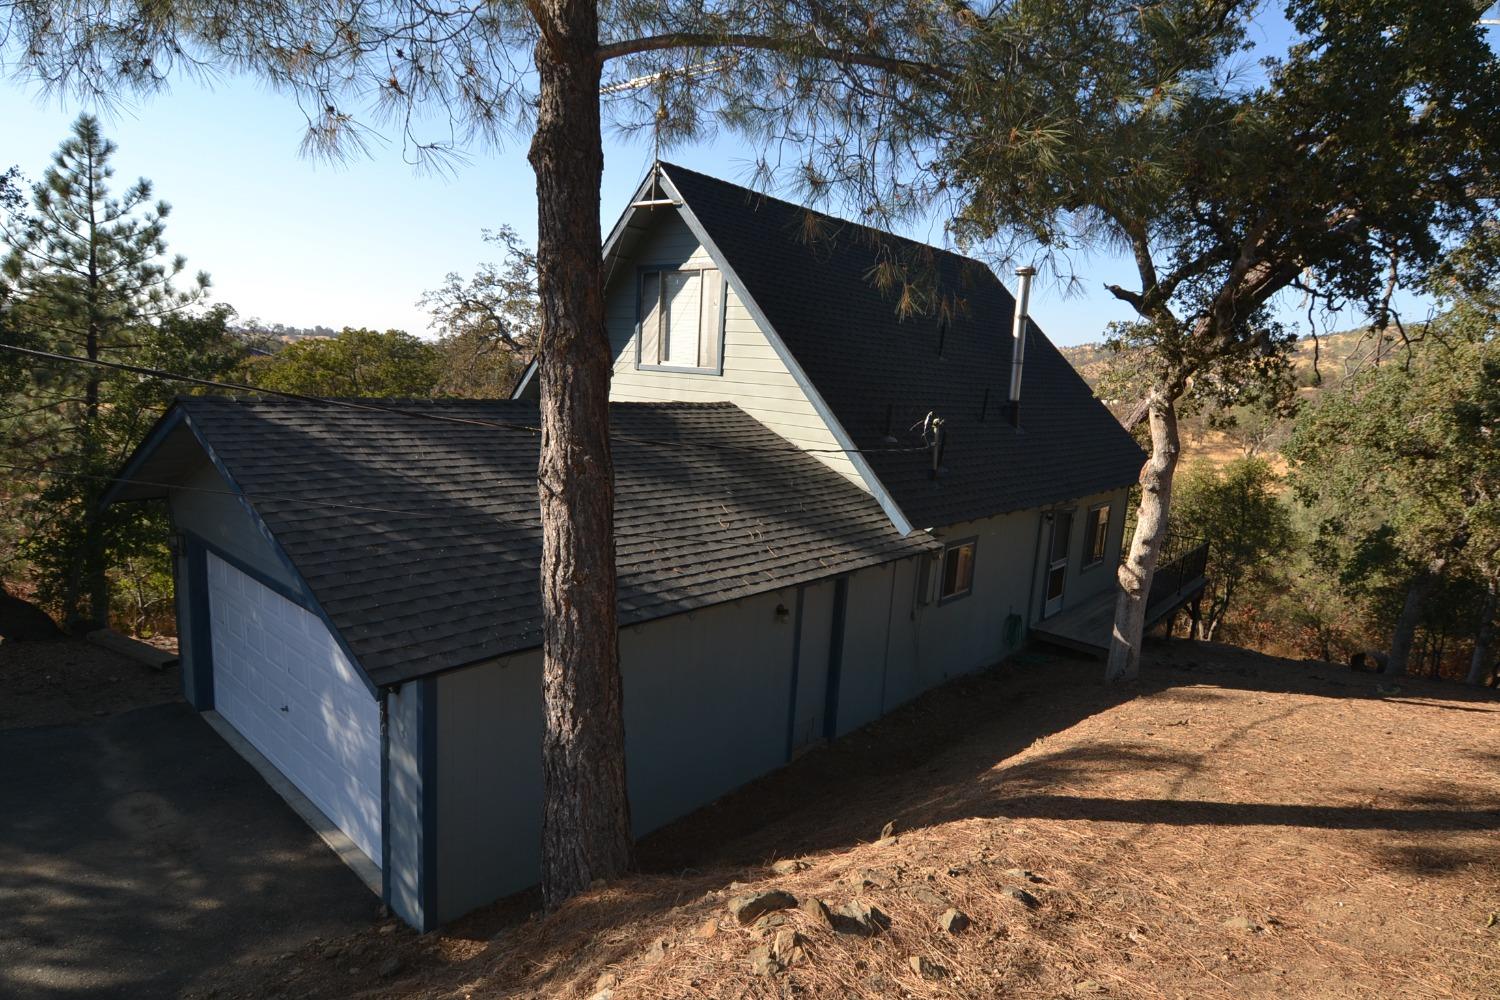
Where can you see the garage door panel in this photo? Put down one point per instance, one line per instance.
(283, 682)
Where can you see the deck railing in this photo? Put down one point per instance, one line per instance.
(1180, 569)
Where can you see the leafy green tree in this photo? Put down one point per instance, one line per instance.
(1248, 529)
(1359, 155)
(358, 362)
(1404, 464)
(489, 323)
(88, 275)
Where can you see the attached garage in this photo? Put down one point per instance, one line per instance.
(281, 680)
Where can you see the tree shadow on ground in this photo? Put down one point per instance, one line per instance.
(978, 722)
(138, 853)
(949, 756)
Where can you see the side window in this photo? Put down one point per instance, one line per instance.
(957, 571)
(1098, 543)
(681, 319)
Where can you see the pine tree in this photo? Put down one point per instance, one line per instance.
(88, 276)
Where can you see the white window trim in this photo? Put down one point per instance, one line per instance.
(719, 321)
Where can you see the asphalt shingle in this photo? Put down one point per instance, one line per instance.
(813, 277)
(431, 562)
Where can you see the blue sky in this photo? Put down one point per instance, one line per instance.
(292, 240)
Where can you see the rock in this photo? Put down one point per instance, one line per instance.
(1088, 986)
(1024, 875)
(888, 831)
(859, 917)
(657, 951)
(389, 967)
(1023, 897)
(602, 995)
(707, 929)
(770, 921)
(954, 921)
(386, 928)
(22, 621)
(928, 970)
(788, 948)
(790, 866)
(1244, 924)
(606, 981)
(747, 909)
(817, 912)
(332, 952)
(763, 963)
(923, 894)
(869, 878)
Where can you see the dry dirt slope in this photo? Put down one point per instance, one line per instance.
(1243, 827)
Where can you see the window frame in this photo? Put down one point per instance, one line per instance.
(942, 570)
(1093, 523)
(719, 321)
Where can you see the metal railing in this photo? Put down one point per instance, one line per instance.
(1182, 564)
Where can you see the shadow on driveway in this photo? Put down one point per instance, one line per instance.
(140, 851)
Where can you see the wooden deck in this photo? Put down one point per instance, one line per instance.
(1086, 628)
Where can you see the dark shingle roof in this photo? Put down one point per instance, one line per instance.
(816, 292)
(710, 506)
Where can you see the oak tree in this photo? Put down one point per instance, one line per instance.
(1341, 168)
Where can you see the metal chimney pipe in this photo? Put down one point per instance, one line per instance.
(1018, 340)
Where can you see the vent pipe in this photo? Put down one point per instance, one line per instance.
(1018, 341)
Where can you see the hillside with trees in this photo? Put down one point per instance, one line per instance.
(88, 275)
(1353, 517)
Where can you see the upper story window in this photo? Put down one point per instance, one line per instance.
(681, 320)
(1098, 535)
(957, 578)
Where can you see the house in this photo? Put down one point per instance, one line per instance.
(822, 510)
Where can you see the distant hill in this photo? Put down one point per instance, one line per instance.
(1337, 354)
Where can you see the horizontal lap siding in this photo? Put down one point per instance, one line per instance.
(706, 702)
(754, 377)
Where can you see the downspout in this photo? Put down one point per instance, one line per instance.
(1018, 340)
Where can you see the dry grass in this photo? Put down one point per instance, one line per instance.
(1242, 827)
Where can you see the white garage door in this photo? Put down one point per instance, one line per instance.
(282, 681)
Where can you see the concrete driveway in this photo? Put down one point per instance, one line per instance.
(140, 851)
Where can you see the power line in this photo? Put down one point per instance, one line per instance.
(444, 417)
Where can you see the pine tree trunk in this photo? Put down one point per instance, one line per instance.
(1405, 630)
(586, 817)
(87, 601)
(1137, 570)
(1484, 635)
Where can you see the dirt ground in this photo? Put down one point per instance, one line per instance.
(66, 681)
(1236, 826)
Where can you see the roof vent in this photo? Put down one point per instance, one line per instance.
(1018, 341)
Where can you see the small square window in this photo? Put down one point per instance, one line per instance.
(1098, 535)
(957, 571)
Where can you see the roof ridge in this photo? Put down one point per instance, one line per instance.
(886, 233)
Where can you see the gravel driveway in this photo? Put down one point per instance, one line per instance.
(139, 851)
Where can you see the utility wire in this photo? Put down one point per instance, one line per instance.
(444, 417)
